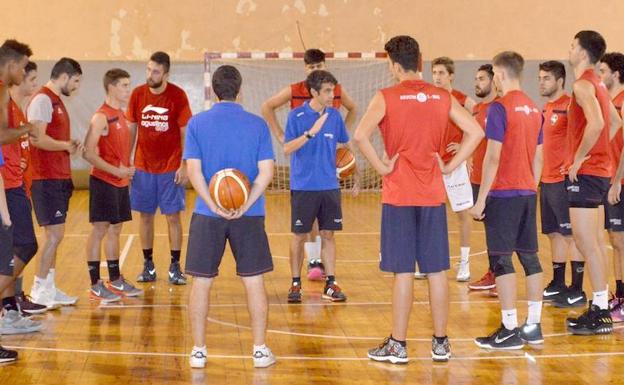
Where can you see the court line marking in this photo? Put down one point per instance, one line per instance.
(517, 356)
(345, 337)
(377, 260)
(277, 234)
(315, 304)
(124, 252)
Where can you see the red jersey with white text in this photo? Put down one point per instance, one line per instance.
(159, 119)
(414, 126)
(555, 131)
(14, 153)
(53, 164)
(599, 162)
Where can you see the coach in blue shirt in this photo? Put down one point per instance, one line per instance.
(313, 131)
(227, 136)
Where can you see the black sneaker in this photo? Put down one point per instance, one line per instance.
(149, 272)
(501, 339)
(333, 292)
(593, 321)
(7, 355)
(294, 294)
(570, 298)
(531, 334)
(553, 290)
(176, 276)
(440, 351)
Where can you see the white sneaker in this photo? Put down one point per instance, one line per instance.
(463, 272)
(63, 298)
(45, 297)
(419, 275)
(14, 323)
(198, 358)
(263, 358)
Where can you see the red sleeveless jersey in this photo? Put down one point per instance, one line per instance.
(12, 172)
(53, 164)
(524, 121)
(299, 94)
(114, 145)
(454, 134)
(599, 163)
(480, 115)
(555, 129)
(617, 143)
(414, 126)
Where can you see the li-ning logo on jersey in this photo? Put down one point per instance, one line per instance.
(158, 119)
(420, 97)
(526, 109)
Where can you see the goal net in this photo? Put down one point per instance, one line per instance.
(264, 74)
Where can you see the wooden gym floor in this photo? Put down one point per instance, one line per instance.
(147, 340)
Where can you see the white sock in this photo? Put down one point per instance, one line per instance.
(310, 250)
(50, 278)
(535, 312)
(199, 348)
(317, 249)
(39, 283)
(601, 299)
(259, 347)
(465, 253)
(510, 318)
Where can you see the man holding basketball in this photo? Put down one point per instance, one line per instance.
(226, 136)
(313, 132)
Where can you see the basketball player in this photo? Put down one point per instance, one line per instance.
(413, 117)
(507, 202)
(13, 59)
(107, 147)
(313, 132)
(443, 71)
(588, 170)
(17, 179)
(296, 94)
(158, 112)
(226, 136)
(555, 214)
(52, 184)
(485, 89)
(611, 70)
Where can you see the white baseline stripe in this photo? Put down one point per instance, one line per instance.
(345, 337)
(276, 234)
(308, 358)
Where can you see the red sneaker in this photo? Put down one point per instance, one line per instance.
(488, 281)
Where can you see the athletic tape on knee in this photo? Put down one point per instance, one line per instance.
(25, 253)
(530, 262)
(501, 265)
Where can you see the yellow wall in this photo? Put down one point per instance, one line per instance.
(462, 29)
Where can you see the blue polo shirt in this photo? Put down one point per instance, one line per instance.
(227, 136)
(313, 166)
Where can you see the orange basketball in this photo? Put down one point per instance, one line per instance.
(229, 189)
(345, 163)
